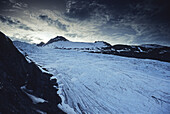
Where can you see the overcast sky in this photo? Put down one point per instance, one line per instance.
(113, 21)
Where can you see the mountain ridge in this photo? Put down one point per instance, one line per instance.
(56, 39)
(143, 51)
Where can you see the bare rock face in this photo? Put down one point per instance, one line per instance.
(106, 43)
(146, 51)
(56, 39)
(19, 80)
(41, 44)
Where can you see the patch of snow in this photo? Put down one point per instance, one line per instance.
(63, 106)
(42, 69)
(113, 49)
(162, 52)
(121, 50)
(41, 112)
(34, 99)
(140, 49)
(23, 53)
(23, 87)
(28, 59)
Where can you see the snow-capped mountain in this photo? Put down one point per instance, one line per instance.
(105, 84)
(24, 88)
(56, 39)
(60, 42)
(145, 51)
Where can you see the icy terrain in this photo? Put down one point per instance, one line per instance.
(107, 84)
(76, 45)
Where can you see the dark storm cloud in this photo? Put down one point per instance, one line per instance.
(82, 10)
(118, 29)
(120, 16)
(158, 34)
(127, 21)
(59, 5)
(13, 22)
(12, 5)
(16, 5)
(155, 10)
(52, 22)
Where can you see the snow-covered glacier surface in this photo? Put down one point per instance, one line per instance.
(107, 84)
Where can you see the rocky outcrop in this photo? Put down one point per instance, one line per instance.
(56, 39)
(23, 85)
(149, 51)
(41, 44)
(106, 43)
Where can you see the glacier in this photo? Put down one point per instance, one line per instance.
(93, 83)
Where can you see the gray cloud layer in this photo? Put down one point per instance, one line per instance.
(15, 23)
(115, 21)
(133, 21)
(52, 22)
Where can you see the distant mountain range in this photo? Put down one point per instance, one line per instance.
(145, 51)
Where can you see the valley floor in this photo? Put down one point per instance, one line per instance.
(104, 84)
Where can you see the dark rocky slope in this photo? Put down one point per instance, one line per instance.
(147, 51)
(41, 44)
(19, 79)
(58, 38)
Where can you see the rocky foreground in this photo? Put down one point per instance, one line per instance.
(24, 88)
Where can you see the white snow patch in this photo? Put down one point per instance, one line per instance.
(28, 59)
(122, 50)
(34, 99)
(21, 51)
(42, 69)
(41, 112)
(63, 106)
(140, 49)
(162, 52)
(113, 49)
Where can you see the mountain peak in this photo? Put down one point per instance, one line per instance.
(41, 44)
(56, 39)
(106, 43)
